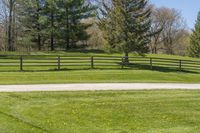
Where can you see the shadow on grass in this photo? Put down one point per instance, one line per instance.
(23, 121)
(87, 51)
(130, 66)
(160, 68)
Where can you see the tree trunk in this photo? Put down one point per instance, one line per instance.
(14, 29)
(10, 22)
(155, 50)
(52, 41)
(52, 32)
(67, 29)
(39, 42)
(38, 27)
(126, 58)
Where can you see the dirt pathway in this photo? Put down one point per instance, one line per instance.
(92, 87)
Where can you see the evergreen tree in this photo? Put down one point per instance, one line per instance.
(194, 49)
(32, 18)
(127, 25)
(56, 21)
(71, 13)
(51, 13)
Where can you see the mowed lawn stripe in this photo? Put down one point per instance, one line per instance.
(103, 111)
(98, 76)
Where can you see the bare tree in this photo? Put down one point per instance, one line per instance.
(96, 40)
(8, 18)
(182, 42)
(172, 24)
(157, 27)
(3, 24)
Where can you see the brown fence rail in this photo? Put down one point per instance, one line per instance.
(65, 62)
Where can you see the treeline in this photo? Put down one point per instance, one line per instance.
(112, 25)
(45, 24)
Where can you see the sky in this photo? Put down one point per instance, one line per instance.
(188, 8)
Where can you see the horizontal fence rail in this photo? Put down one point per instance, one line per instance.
(108, 62)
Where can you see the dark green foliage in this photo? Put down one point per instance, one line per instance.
(194, 49)
(126, 25)
(31, 17)
(71, 13)
(51, 11)
(56, 22)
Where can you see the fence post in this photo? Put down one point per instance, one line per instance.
(58, 61)
(151, 63)
(21, 63)
(180, 65)
(122, 63)
(92, 62)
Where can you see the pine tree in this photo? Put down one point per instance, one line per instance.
(32, 18)
(194, 49)
(127, 25)
(56, 21)
(51, 13)
(71, 14)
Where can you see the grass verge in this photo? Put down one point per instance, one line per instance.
(101, 112)
(97, 76)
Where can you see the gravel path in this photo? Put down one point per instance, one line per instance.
(92, 87)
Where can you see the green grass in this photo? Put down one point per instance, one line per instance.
(97, 76)
(169, 111)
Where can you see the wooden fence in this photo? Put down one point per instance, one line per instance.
(63, 62)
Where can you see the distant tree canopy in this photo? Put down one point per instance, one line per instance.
(194, 49)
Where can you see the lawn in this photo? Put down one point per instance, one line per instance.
(101, 112)
(98, 76)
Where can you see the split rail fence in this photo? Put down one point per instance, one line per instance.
(102, 62)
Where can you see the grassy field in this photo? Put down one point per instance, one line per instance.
(97, 76)
(100, 111)
(169, 111)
